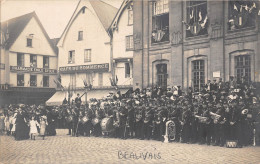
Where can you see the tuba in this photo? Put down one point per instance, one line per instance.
(170, 131)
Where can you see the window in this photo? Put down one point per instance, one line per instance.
(33, 61)
(45, 81)
(241, 14)
(243, 67)
(20, 60)
(160, 21)
(129, 42)
(197, 19)
(100, 79)
(127, 70)
(45, 62)
(33, 80)
(20, 79)
(198, 72)
(162, 75)
(80, 35)
(71, 58)
(87, 55)
(29, 42)
(130, 17)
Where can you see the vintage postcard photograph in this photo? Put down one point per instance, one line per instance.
(129, 81)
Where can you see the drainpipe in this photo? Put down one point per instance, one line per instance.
(182, 67)
(142, 43)
(224, 28)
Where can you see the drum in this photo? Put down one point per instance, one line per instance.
(231, 143)
(84, 119)
(107, 124)
(95, 121)
(138, 117)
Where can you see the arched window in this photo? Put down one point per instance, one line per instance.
(162, 75)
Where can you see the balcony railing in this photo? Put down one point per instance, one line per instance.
(160, 35)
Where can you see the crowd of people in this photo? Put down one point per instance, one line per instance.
(220, 112)
(24, 121)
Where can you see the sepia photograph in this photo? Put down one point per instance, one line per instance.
(129, 81)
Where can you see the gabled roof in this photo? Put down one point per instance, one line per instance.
(114, 22)
(104, 11)
(16, 25)
(55, 42)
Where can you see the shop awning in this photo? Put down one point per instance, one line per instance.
(56, 99)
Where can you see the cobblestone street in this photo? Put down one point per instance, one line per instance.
(67, 149)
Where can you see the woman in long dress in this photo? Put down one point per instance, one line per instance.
(21, 129)
(7, 124)
(12, 121)
(2, 123)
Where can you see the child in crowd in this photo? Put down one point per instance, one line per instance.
(43, 124)
(33, 127)
(2, 123)
(7, 125)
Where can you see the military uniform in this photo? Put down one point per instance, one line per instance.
(139, 118)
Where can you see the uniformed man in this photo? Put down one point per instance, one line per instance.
(139, 118)
(148, 117)
(130, 119)
(78, 101)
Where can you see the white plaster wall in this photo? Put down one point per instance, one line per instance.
(119, 37)
(94, 37)
(40, 44)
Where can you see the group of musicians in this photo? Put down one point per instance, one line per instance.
(221, 111)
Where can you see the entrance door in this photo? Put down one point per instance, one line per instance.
(162, 75)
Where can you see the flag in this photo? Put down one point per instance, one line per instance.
(235, 7)
(204, 22)
(191, 15)
(200, 17)
(116, 80)
(111, 81)
(41, 83)
(28, 82)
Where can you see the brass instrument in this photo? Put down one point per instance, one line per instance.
(215, 117)
(117, 121)
(203, 119)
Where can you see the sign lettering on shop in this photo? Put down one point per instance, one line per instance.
(32, 69)
(85, 68)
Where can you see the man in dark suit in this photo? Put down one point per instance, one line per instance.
(78, 101)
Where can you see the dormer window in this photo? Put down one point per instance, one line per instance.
(29, 42)
(80, 35)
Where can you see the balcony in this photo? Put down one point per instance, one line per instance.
(161, 35)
